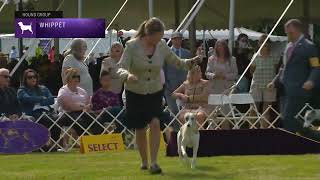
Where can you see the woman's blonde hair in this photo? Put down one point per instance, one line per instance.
(192, 71)
(69, 73)
(149, 27)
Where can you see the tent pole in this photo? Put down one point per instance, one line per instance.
(79, 8)
(19, 7)
(176, 13)
(109, 25)
(231, 25)
(150, 8)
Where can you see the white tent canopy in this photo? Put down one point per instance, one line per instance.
(214, 34)
(8, 40)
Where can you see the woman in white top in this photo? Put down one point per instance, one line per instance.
(76, 60)
(72, 99)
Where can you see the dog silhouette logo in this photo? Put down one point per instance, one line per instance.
(27, 27)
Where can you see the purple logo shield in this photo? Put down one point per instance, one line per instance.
(22, 136)
(25, 27)
(59, 28)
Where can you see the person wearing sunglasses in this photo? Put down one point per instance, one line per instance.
(73, 100)
(9, 105)
(35, 100)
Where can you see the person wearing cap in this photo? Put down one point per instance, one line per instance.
(175, 77)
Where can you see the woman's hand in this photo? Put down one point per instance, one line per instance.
(184, 98)
(132, 78)
(87, 108)
(197, 59)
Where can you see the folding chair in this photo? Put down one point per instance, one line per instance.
(239, 117)
(219, 115)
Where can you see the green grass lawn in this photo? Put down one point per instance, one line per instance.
(125, 165)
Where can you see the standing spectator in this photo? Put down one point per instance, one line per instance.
(174, 77)
(140, 67)
(110, 65)
(9, 105)
(299, 77)
(13, 55)
(76, 60)
(51, 55)
(222, 73)
(243, 53)
(221, 69)
(264, 70)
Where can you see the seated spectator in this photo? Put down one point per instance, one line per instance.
(74, 100)
(36, 99)
(193, 94)
(9, 105)
(110, 65)
(106, 98)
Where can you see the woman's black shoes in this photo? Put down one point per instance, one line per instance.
(155, 169)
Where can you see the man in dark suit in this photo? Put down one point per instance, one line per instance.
(175, 77)
(299, 76)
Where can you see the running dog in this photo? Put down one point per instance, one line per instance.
(188, 136)
(311, 116)
(25, 27)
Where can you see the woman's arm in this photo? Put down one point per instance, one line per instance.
(179, 91)
(210, 70)
(124, 64)
(24, 97)
(173, 59)
(48, 98)
(69, 105)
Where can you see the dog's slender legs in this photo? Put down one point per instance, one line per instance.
(195, 151)
(154, 140)
(179, 144)
(141, 141)
(183, 151)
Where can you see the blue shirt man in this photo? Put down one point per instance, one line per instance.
(175, 77)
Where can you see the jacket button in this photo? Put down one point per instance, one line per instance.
(149, 70)
(148, 79)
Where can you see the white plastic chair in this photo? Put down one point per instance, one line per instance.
(222, 102)
(243, 99)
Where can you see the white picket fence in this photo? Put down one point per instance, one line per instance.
(250, 119)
